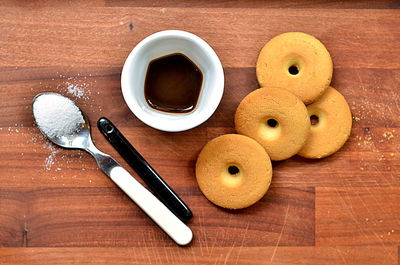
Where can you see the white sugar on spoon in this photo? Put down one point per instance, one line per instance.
(56, 115)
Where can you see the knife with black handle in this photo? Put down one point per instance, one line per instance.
(144, 170)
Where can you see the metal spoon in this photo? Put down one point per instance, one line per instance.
(156, 210)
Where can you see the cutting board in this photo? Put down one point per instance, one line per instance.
(57, 207)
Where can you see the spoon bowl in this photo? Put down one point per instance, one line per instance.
(79, 140)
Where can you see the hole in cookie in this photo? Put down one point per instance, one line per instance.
(233, 170)
(231, 175)
(272, 123)
(314, 119)
(293, 70)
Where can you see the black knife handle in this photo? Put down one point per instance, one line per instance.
(144, 170)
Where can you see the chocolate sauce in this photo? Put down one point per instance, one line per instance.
(173, 83)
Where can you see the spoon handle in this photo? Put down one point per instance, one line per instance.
(153, 180)
(155, 209)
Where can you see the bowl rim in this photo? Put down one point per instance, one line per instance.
(185, 121)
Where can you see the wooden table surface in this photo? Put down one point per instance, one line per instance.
(57, 207)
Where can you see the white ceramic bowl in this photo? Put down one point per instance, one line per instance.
(160, 44)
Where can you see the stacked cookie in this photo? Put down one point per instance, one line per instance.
(294, 112)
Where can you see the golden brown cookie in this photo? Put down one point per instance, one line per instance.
(298, 62)
(275, 118)
(233, 171)
(330, 125)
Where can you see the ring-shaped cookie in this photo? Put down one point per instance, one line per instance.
(275, 118)
(233, 171)
(298, 62)
(331, 122)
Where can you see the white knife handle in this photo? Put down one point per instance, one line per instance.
(155, 209)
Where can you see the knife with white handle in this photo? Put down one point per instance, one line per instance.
(154, 208)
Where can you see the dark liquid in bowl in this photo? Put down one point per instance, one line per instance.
(173, 84)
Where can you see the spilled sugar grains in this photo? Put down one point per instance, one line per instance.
(51, 158)
(79, 88)
(74, 86)
(75, 90)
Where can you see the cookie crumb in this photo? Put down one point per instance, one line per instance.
(388, 135)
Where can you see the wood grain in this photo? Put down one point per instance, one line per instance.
(370, 157)
(12, 216)
(361, 162)
(51, 3)
(57, 207)
(358, 216)
(365, 4)
(371, 94)
(106, 217)
(331, 4)
(72, 36)
(205, 255)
